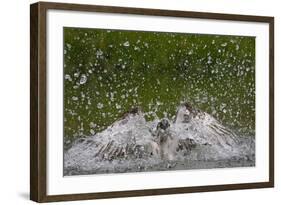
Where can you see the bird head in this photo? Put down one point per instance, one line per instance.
(163, 124)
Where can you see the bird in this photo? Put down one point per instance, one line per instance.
(133, 137)
(166, 140)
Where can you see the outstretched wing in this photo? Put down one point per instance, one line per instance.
(203, 128)
(128, 137)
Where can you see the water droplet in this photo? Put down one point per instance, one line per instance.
(74, 98)
(99, 53)
(83, 79)
(92, 131)
(126, 44)
(67, 77)
(99, 105)
(68, 46)
(118, 106)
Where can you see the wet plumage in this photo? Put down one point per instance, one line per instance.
(193, 133)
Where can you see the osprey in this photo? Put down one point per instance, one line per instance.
(193, 134)
(167, 141)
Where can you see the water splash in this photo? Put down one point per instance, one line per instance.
(134, 144)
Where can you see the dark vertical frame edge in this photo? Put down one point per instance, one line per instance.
(38, 96)
(37, 103)
(34, 188)
(271, 101)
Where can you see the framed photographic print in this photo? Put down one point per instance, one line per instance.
(134, 102)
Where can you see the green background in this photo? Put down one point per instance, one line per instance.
(107, 72)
